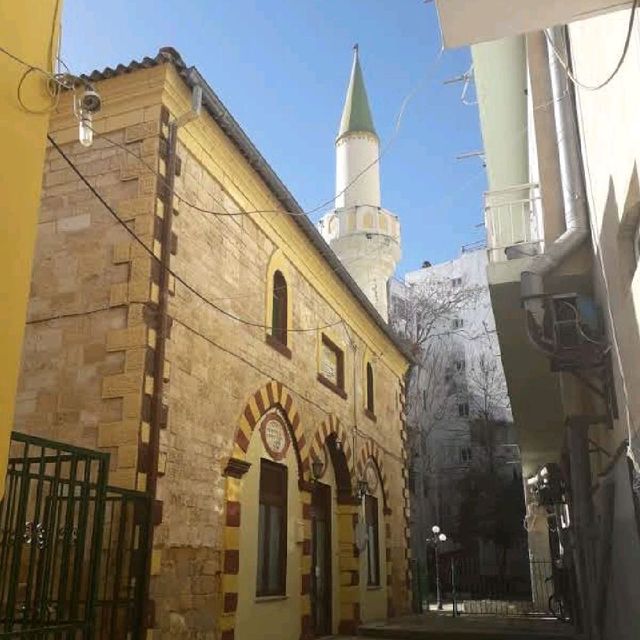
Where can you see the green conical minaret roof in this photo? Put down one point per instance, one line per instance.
(356, 115)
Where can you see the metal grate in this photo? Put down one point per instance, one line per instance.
(51, 520)
(72, 549)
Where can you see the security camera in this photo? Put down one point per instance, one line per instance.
(90, 101)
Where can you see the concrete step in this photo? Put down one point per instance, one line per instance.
(439, 627)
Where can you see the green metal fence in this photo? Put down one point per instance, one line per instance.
(72, 549)
(123, 565)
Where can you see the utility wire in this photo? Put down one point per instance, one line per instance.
(319, 406)
(149, 251)
(569, 72)
(57, 79)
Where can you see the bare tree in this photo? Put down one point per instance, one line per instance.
(488, 401)
(427, 316)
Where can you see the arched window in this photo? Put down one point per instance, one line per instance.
(370, 399)
(279, 314)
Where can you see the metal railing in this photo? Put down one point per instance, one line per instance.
(120, 595)
(72, 548)
(468, 586)
(511, 222)
(51, 523)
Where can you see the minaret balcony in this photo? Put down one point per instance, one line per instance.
(360, 220)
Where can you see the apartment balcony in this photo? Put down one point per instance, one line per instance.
(512, 219)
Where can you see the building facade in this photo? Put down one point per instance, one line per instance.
(225, 359)
(562, 211)
(458, 414)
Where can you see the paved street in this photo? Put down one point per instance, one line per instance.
(440, 627)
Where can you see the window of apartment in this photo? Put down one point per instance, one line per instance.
(456, 283)
(457, 323)
(373, 555)
(279, 309)
(272, 530)
(370, 393)
(332, 366)
(465, 454)
(463, 409)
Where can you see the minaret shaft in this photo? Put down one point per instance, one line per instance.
(363, 235)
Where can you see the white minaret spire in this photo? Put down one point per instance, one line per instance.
(363, 235)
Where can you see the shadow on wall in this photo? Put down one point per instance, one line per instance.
(623, 279)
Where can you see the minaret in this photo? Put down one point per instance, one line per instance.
(363, 235)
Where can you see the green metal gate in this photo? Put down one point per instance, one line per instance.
(71, 547)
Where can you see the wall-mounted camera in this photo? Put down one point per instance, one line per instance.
(90, 101)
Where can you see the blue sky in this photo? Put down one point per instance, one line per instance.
(282, 66)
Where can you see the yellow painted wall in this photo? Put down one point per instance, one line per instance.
(329, 478)
(28, 29)
(374, 599)
(269, 618)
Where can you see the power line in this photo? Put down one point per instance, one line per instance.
(150, 252)
(567, 68)
(247, 362)
(323, 205)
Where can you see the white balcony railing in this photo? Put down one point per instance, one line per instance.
(512, 220)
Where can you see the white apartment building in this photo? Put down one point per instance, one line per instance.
(445, 310)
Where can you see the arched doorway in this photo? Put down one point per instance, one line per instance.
(265, 549)
(334, 575)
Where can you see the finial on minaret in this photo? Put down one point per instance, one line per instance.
(355, 48)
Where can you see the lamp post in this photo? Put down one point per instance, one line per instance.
(435, 540)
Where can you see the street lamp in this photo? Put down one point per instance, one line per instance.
(435, 540)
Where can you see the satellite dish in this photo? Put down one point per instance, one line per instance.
(361, 536)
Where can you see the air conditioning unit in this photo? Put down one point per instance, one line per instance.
(571, 332)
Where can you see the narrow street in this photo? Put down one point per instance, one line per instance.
(443, 627)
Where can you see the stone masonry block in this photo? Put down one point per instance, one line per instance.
(121, 339)
(125, 478)
(118, 294)
(132, 404)
(134, 207)
(232, 537)
(121, 252)
(121, 384)
(135, 359)
(127, 456)
(114, 434)
(147, 185)
(142, 130)
(149, 149)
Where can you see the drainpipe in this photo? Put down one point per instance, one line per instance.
(532, 292)
(574, 197)
(163, 325)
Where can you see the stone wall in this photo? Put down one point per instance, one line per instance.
(88, 365)
(217, 364)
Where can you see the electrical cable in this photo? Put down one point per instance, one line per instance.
(567, 67)
(323, 205)
(326, 203)
(230, 352)
(150, 252)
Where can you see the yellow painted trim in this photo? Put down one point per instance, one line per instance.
(278, 262)
(247, 189)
